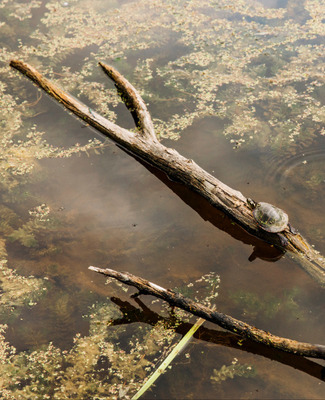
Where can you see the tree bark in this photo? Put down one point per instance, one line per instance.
(144, 144)
(225, 321)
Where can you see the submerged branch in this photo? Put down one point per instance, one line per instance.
(225, 321)
(145, 145)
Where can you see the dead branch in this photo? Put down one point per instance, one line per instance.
(145, 145)
(133, 101)
(131, 314)
(225, 321)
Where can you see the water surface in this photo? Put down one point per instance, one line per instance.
(110, 210)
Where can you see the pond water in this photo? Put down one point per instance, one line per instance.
(105, 208)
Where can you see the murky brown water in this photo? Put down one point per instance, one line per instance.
(117, 213)
(113, 211)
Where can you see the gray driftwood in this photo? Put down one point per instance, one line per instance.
(225, 321)
(144, 144)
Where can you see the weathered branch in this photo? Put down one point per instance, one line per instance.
(131, 314)
(225, 321)
(145, 145)
(133, 101)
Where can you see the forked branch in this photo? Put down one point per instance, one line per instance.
(145, 145)
(133, 101)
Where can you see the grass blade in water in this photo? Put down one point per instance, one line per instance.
(161, 369)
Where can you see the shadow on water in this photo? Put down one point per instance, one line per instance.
(216, 217)
(143, 314)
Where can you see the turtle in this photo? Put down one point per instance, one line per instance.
(271, 219)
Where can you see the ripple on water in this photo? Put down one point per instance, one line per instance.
(301, 176)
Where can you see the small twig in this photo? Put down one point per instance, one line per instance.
(225, 321)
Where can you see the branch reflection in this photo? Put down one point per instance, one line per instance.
(218, 218)
(143, 314)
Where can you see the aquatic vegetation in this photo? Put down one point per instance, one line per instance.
(269, 305)
(272, 62)
(99, 364)
(39, 221)
(17, 291)
(93, 367)
(203, 290)
(206, 289)
(231, 371)
(257, 71)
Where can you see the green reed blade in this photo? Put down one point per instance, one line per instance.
(176, 350)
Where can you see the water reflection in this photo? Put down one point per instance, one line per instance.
(143, 314)
(217, 218)
(115, 212)
(103, 213)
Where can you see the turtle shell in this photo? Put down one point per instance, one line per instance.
(270, 218)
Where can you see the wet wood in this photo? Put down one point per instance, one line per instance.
(144, 144)
(225, 321)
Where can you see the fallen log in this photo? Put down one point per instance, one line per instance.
(225, 321)
(144, 144)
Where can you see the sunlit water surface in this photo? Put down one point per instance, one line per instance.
(121, 214)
